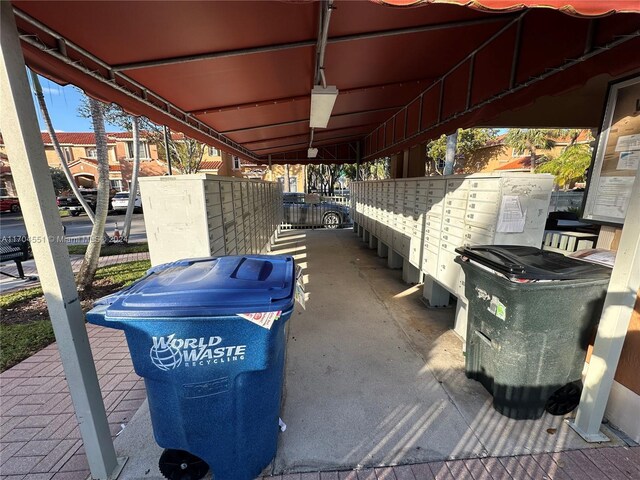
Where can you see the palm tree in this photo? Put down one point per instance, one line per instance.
(532, 140)
(570, 166)
(133, 185)
(56, 145)
(90, 262)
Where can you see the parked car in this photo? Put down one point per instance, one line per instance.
(120, 201)
(310, 211)
(70, 202)
(9, 204)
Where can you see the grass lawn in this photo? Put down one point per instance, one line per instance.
(25, 327)
(113, 249)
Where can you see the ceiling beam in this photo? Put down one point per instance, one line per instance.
(319, 143)
(306, 134)
(308, 43)
(303, 120)
(306, 97)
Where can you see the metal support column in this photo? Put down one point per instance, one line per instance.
(405, 163)
(270, 169)
(30, 170)
(614, 323)
(450, 158)
(358, 161)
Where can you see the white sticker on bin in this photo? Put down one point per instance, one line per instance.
(264, 319)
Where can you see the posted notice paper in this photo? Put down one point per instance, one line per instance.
(629, 160)
(628, 142)
(612, 196)
(512, 218)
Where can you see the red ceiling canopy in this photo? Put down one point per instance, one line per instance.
(238, 75)
(587, 8)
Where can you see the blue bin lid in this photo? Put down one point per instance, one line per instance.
(206, 287)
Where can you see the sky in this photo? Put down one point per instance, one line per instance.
(62, 103)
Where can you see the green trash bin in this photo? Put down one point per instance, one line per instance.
(531, 316)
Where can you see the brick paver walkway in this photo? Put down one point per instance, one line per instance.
(39, 435)
(40, 440)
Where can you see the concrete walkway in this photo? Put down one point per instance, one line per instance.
(8, 284)
(374, 382)
(374, 391)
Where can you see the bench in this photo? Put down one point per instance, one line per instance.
(568, 242)
(17, 251)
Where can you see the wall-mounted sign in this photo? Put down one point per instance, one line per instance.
(616, 163)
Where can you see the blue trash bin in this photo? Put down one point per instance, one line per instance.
(208, 337)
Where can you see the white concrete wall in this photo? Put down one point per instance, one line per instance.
(623, 410)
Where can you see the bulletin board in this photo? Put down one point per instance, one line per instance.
(616, 162)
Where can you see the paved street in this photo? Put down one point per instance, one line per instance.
(12, 224)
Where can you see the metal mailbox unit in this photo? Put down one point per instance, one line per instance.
(204, 215)
(425, 219)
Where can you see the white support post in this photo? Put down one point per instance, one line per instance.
(410, 274)
(435, 295)
(383, 250)
(614, 323)
(30, 171)
(373, 241)
(394, 259)
(405, 163)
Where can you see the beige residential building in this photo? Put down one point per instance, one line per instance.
(79, 149)
(296, 174)
(497, 156)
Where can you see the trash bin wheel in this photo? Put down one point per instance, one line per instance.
(565, 399)
(181, 465)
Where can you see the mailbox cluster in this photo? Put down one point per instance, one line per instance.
(204, 215)
(423, 220)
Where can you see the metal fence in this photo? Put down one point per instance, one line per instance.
(563, 201)
(316, 211)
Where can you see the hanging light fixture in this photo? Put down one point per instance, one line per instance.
(322, 101)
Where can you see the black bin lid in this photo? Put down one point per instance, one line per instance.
(531, 263)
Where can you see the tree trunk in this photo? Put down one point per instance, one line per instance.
(333, 174)
(166, 147)
(450, 156)
(133, 185)
(91, 257)
(287, 182)
(57, 147)
(532, 166)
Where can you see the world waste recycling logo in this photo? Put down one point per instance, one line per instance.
(168, 353)
(165, 356)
